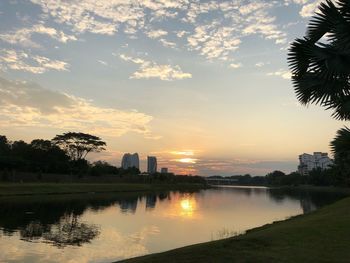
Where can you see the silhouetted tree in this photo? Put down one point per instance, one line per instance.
(77, 144)
(4, 145)
(275, 177)
(341, 148)
(320, 64)
(102, 168)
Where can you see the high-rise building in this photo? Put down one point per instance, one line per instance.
(130, 160)
(164, 170)
(309, 162)
(151, 164)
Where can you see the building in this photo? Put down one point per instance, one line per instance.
(164, 170)
(309, 162)
(151, 164)
(130, 160)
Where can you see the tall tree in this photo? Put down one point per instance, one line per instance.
(4, 145)
(78, 144)
(320, 65)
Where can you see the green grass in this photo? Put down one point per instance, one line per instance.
(72, 188)
(321, 236)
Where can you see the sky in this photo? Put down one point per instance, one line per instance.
(202, 85)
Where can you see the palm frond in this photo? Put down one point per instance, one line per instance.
(324, 20)
(341, 143)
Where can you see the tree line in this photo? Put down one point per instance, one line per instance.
(317, 177)
(66, 154)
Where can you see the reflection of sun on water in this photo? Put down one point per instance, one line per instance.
(187, 205)
(183, 206)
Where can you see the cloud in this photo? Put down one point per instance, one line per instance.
(102, 62)
(285, 74)
(150, 69)
(309, 9)
(19, 60)
(230, 22)
(214, 29)
(235, 65)
(23, 36)
(181, 33)
(196, 164)
(157, 33)
(25, 104)
(252, 7)
(260, 64)
(213, 42)
(167, 43)
(260, 23)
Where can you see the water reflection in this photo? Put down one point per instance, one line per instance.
(107, 227)
(188, 206)
(68, 231)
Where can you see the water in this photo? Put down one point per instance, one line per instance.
(109, 227)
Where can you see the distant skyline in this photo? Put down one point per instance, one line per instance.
(202, 85)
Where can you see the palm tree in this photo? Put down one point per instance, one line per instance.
(320, 65)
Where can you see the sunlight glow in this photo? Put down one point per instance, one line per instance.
(187, 160)
(186, 152)
(188, 206)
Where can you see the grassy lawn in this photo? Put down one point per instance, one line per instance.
(321, 236)
(70, 188)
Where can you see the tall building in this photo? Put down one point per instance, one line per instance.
(130, 160)
(309, 162)
(151, 164)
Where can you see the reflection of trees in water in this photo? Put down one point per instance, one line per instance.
(246, 190)
(68, 231)
(56, 218)
(33, 231)
(309, 200)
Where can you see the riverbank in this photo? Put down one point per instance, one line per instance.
(16, 189)
(321, 236)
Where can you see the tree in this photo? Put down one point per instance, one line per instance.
(275, 178)
(320, 65)
(4, 145)
(47, 157)
(77, 144)
(341, 148)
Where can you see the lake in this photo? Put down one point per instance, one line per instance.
(109, 227)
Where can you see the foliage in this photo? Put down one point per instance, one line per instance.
(321, 70)
(275, 177)
(77, 144)
(341, 148)
(102, 168)
(65, 154)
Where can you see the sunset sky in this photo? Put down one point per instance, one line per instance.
(202, 85)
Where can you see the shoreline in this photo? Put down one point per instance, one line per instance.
(320, 236)
(31, 189)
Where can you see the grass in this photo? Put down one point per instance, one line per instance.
(75, 188)
(321, 236)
